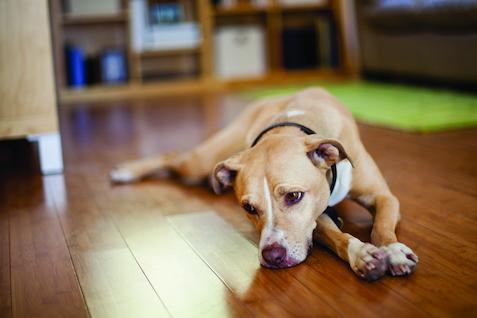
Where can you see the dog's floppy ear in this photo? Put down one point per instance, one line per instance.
(224, 173)
(325, 152)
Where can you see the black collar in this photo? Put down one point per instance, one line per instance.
(307, 131)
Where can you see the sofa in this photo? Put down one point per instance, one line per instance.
(425, 39)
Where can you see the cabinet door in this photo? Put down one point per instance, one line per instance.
(27, 90)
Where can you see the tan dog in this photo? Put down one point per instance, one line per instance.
(283, 182)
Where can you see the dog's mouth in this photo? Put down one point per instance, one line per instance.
(287, 263)
(310, 248)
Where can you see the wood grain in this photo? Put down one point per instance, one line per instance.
(186, 285)
(234, 259)
(43, 280)
(5, 287)
(102, 260)
(161, 248)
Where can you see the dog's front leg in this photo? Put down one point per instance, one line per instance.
(402, 260)
(385, 208)
(371, 190)
(366, 260)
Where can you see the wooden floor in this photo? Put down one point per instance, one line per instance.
(74, 245)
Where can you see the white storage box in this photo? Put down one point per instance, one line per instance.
(239, 52)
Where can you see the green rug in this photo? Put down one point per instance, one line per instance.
(401, 107)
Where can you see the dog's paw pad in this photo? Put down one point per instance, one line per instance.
(370, 262)
(402, 260)
(122, 175)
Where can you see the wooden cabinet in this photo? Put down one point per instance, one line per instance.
(27, 87)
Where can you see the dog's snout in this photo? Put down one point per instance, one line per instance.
(274, 254)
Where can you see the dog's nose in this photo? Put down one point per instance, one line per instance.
(274, 254)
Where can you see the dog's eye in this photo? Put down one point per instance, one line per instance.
(293, 197)
(249, 208)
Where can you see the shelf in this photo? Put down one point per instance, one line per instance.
(167, 52)
(69, 20)
(108, 92)
(250, 9)
(300, 7)
(239, 9)
(288, 77)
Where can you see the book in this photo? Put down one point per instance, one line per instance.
(299, 47)
(113, 66)
(93, 69)
(160, 27)
(75, 66)
(164, 13)
(138, 24)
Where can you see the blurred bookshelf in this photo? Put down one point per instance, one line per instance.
(226, 45)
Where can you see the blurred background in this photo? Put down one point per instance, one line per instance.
(370, 54)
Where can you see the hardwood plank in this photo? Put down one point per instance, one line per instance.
(43, 280)
(265, 291)
(424, 240)
(338, 282)
(5, 294)
(112, 282)
(428, 289)
(439, 270)
(186, 285)
(430, 157)
(433, 274)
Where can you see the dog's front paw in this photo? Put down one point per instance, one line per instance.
(366, 260)
(122, 174)
(402, 260)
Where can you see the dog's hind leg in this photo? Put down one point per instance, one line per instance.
(195, 164)
(131, 171)
(366, 260)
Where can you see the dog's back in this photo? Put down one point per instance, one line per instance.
(312, 107)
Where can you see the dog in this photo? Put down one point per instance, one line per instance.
(288, 159)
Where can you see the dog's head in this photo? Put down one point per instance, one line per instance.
(282, 183)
